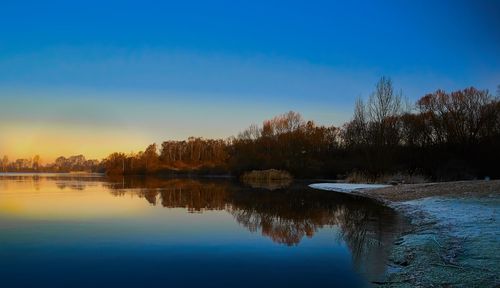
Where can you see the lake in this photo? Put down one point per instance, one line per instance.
(64, 230)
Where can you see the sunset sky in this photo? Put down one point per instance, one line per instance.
(88, 77)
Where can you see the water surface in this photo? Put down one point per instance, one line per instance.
(88, 231)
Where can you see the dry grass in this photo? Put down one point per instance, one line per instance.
(398, 178)
(271, 179)
(266, 175)
(464, 189)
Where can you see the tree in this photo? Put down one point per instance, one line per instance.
(354, 132)
(457, 117)
(384, 102)
(150, 158)
(251, 133)
(115, 163)
(5, 163)
(383, 105)
(36, 162)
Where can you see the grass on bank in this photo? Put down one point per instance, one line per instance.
(266, 175)
(398, 178)
(271, 179)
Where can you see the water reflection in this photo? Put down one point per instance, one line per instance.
(286, 216)
(35, 181)
(268, 184)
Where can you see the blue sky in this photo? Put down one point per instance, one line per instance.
(152, 70)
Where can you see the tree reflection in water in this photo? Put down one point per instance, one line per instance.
(285, 215)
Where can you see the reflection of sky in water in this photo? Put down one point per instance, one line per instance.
(91, 232)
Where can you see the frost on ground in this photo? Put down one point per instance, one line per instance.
(454, 237)
(346, 187)
(454, 243)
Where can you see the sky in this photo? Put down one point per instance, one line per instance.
(93, 77)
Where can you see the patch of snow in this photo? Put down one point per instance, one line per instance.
(470, 217)
(456, 232)
(345, 187)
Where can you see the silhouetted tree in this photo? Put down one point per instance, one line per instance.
(383, 106)
(36, 162)
(5, 163)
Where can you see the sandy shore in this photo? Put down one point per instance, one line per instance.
(408, 192)
(454, 236)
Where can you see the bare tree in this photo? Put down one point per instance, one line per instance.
(384, 107)
(384, 102)
(459, 116)
(354, 132)
(251, 133)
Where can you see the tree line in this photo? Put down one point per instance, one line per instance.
(447, 135)
(196, 155)
(61, 164)
(443, 136)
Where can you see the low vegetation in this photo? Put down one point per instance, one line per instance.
(266, 175)
(270, 179)
(398, 178)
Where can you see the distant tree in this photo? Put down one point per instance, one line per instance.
(384, 105)
(115, 163)
(415, 130)
(60, 163)
(459, 116)
(150, 158)
(5, 163)
(251, 133)
(22, 164)
(36, 162)
(384, 102)
(355, 131)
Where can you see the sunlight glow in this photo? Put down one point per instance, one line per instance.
(53, 140)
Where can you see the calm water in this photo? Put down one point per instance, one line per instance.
(79, 231)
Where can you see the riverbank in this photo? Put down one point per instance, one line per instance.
(453, 236)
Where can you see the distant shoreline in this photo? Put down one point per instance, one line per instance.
(52, 173)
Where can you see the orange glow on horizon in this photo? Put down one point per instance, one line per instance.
(24, 140)
(42, 199)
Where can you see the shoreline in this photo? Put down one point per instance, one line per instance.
(452, 235)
